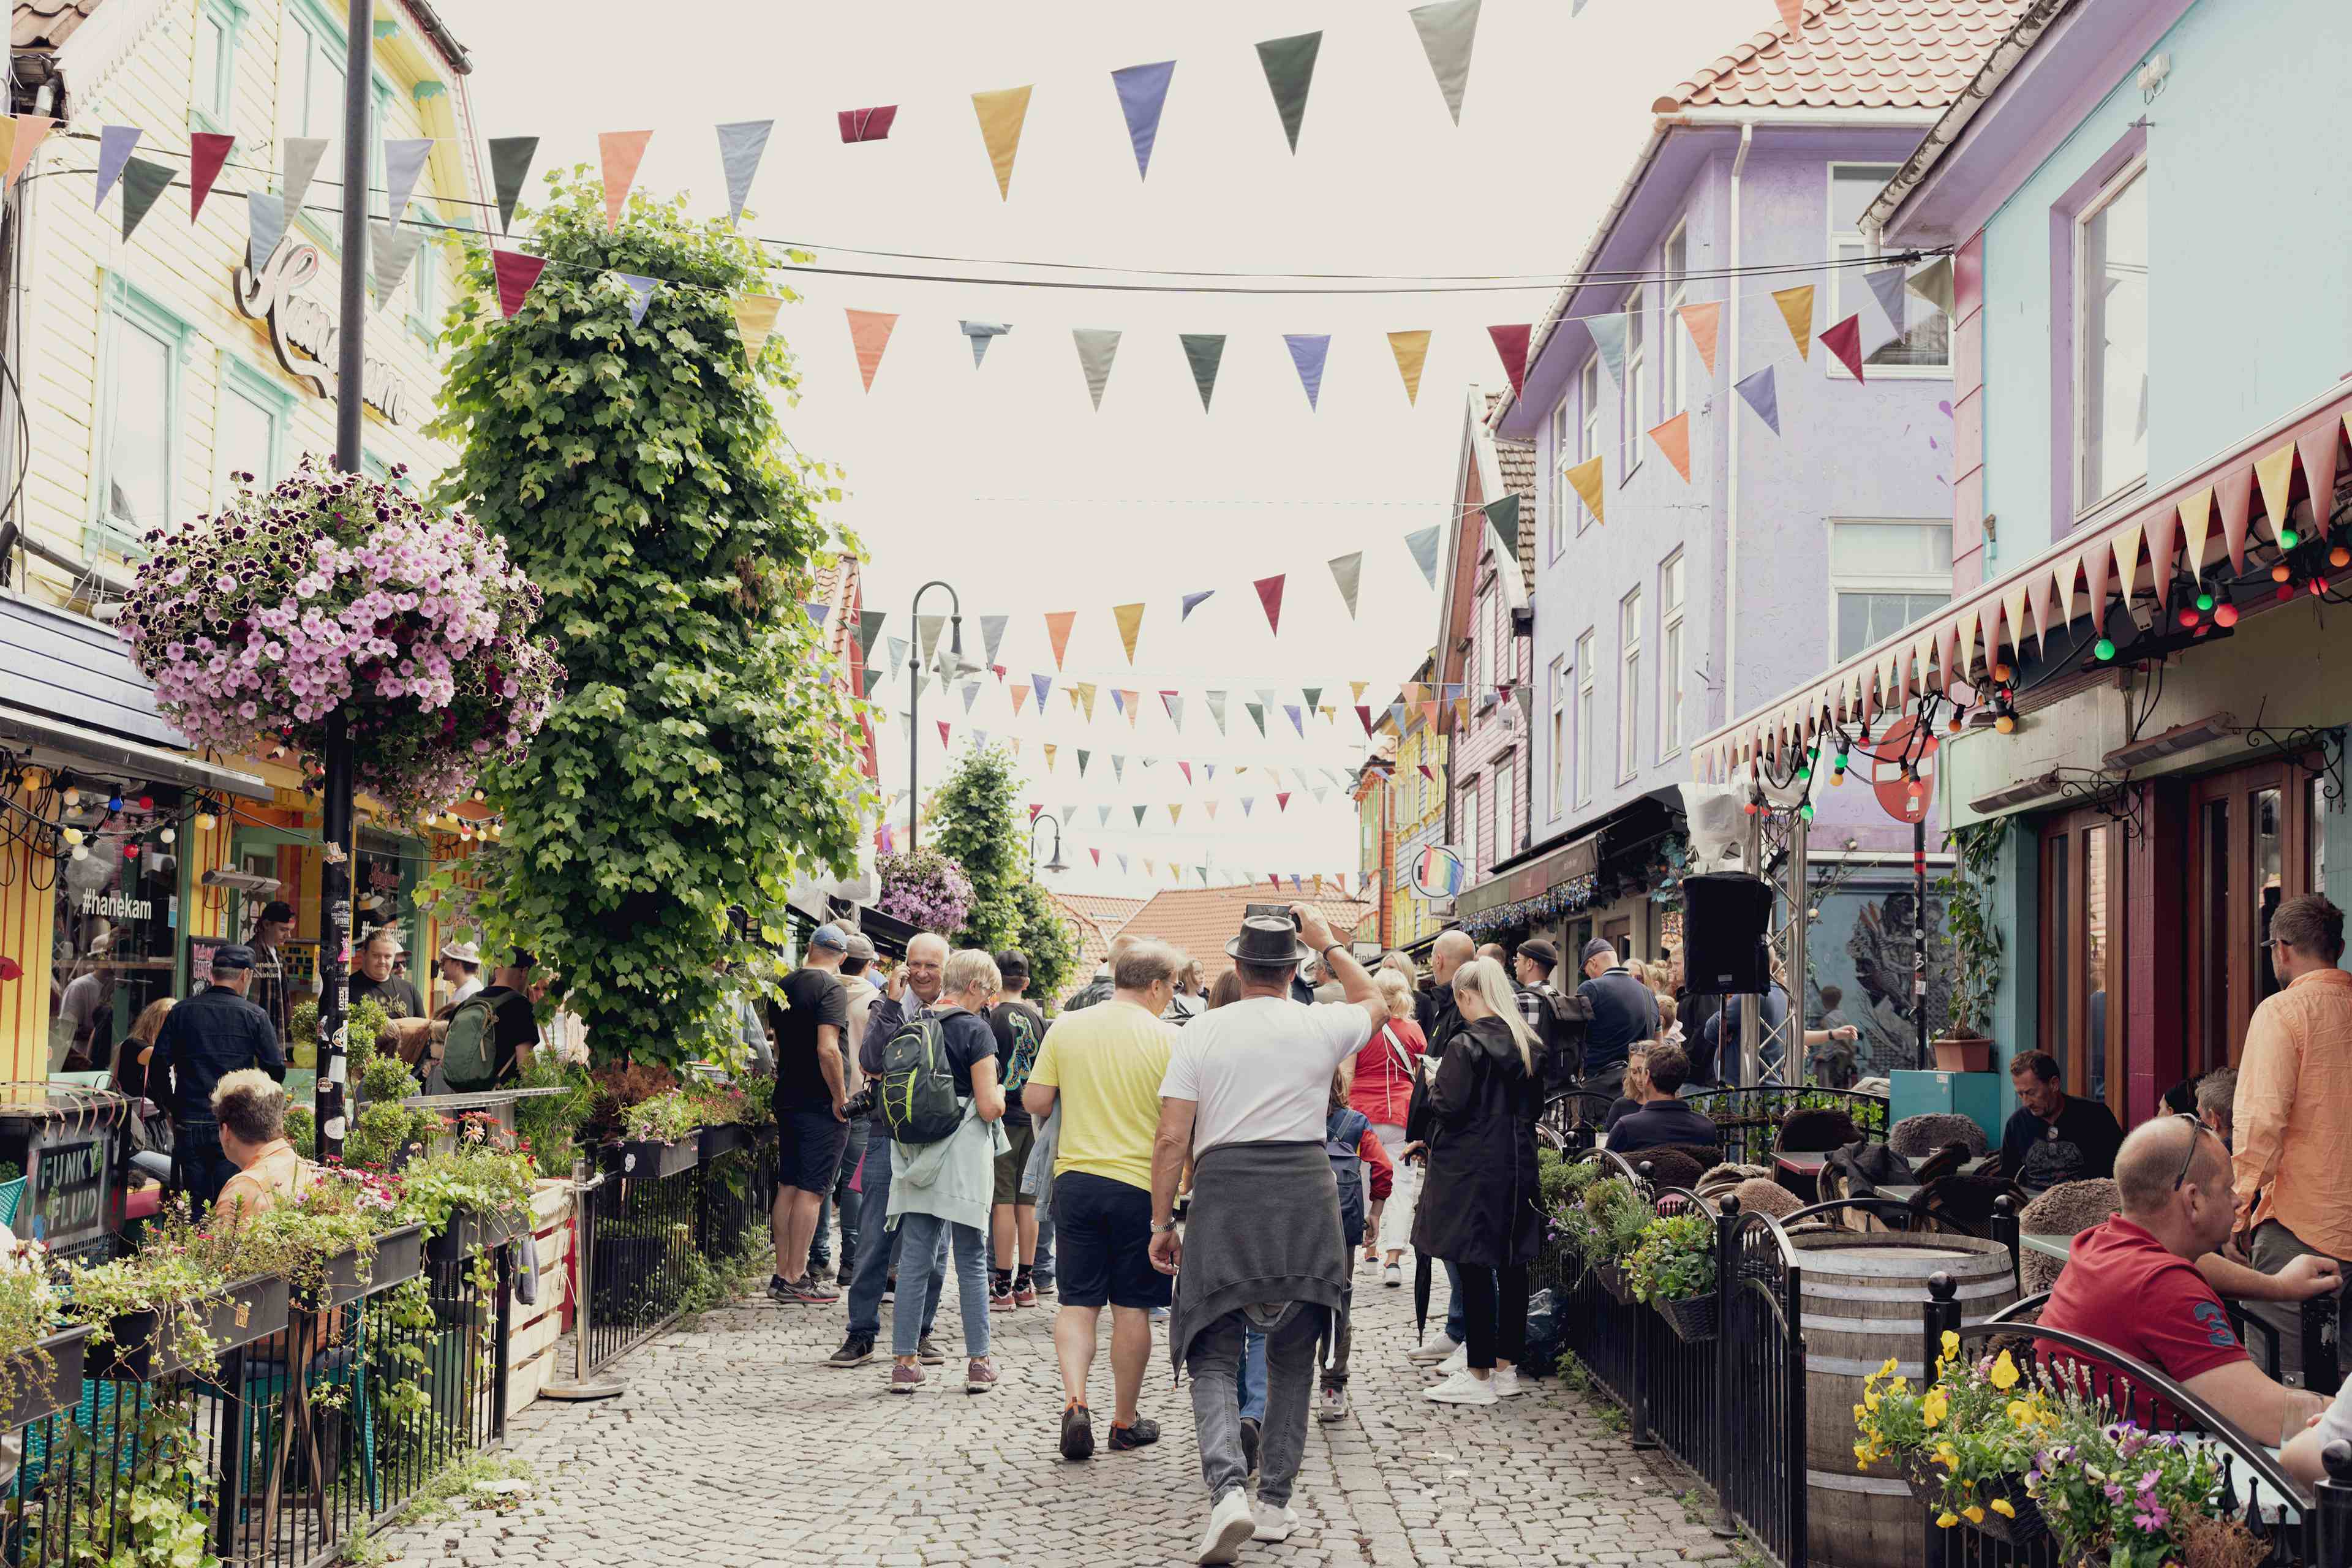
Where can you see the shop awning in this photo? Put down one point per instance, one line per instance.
(150, 762)
(1580, 857)
(2239, 500)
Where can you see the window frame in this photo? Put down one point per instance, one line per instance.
(129, 308)
(1834, 236)
(240, 379)
(1674, 390)
(1588, 431)
(2067, 984)
(1906, 583)
(1557, 531)
(1631, 389)
(1674, 589)
(310, 22)
(1506, 808)
(1628, 685)
(230, 17)
(2087, 506)
(1587, 710)
(1558, 780)
(2236, 788)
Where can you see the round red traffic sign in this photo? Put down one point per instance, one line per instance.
(1905, 800)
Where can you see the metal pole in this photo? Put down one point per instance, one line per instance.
(1749, 1021)
(915, 697)
(1793, 1047)
(1919, 936)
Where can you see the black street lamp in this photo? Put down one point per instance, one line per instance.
(1056, 864)
(951, 665)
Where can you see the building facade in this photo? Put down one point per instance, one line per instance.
(1418, 800)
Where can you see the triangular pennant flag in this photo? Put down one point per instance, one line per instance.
(1098, 347)
(1134, 701)
(1364, 717)
(1672, 439)
(869, 334)
(1886, 283)
(1050, 748)
(927, 634)
(1411, 351)
(1043, 685)
(874, 678)
(1139, 820)
(2275, 471)
(143, 182)
(1102, 816)
(2317, 444)
(392, 246)
(1122, 859)
(1117, 700)
(24, 134)
(641, 294)
(265, 221)
(991, 638)
(1175, 813)
(1845, 341)
(510, 160)
(1762, 394)
(1298, 720)
(1502, 517)
(869, 627)
(755, 318)
(1204, 351)
(1308, 352)
(971, 694)
(1447, 29)
(1797, 310)
(1085, 691)
(1608, 334)
(1282, 800)
(981, 332)
(1258, 715)
(1095, 852)
(1217, 709)
(866, 124)
(897, 647)
(1186, 769)
(1356, 689)
(1347, 571)
(1793, 14)
(404, 165)
(1174, 704)
(1933, 283)
(1013, 741)
(1211, 806)
(741, 144)
(115, 145)
(1423, 542)
(1319, 794)
(1584, 479)
(1001, 115)
(1289, 66)
(207, 150)
(1702, 323)
(943, 732)
(1142, 94)
(1511, 346)
(1118, 768)
(2234, 495)
(1057, 631)
(1269, 595)
(1192, 602)
(1248, 801)
(620, 152)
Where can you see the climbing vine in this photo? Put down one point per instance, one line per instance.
(1976, 942)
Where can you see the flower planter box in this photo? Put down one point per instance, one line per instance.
(399, 1255)
(1692, 1320)
(1612, 1279)
(144, 1345)
(40, 1392)
(2027, 1529)
(724, 1139)
(469, 1232)
(644, 1158)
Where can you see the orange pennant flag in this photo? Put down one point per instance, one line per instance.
(1133, 701)
(1130, 621)
(1057, 627)
(622, 151)
(870, 332)
(1797, 310)
(1019, 693)
(1212, 806)
(24, 134)
(755, 318)
(1703, 321)
(1674, 439)
(1000, 114)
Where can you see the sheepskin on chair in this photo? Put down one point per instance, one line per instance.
(1723, 1178)
(1761, 1193)
(2069, 1208)
(1919, 1136)
(1815, 1131)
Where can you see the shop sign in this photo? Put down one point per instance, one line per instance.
(303, 330)
(118, 906)
(70, 1192)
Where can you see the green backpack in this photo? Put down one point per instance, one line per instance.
(469, 1057)
(918, 1094)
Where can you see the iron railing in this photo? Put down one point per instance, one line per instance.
(1760, 1481)
(640, 1238)
(1749, 1119)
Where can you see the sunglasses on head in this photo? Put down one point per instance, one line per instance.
(2190, 1159)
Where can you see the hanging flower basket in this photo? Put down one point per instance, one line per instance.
(1612, 1279)
(399, 1257)
(334, 591)
(2024, 1529)
(471, 1231)
(43, 1387)
(645, 1159)
(1693, 1319)
(146, 1346)
(724, 1138)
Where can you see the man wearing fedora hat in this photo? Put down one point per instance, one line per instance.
(1246, 1098)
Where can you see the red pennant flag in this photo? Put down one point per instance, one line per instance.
(1844, 340)
(1270, 594)
(943, 732)
(1096, 853)
(1274, 878)
(1511, 343)
(1283, 800)
(1033, 809)
(517, 274)
(1364, 717)
(207, 150)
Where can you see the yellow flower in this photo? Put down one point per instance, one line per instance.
(2004, 1373)
(1888, 1370)
(1860, 1411)
(1863, 1454)
(1975, 1514)
(1870, 1400)
(1946, 1518)
(2001, 1505)
(1935, 1407)
(1951, 1343)
(2020, 1412)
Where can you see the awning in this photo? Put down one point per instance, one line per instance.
(2217, 512)
(1580, 858)
(150, 762)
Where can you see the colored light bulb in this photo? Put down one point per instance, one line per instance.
(2280, 572)
(2285, 592)
(2105, 648)
(2006, 723)
(2205, 601)
(2225, 616)
(2189, 617)
(2339, 556)
(2289, 539)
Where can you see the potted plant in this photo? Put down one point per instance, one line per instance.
(660, 1136)
(339, 1240)
(729, 1115)
(40, 1365)
(162, 1310)
(1969, 914)
(1671, 1268)
(468, 1199)
(1600, 1227)
(1964, 1444)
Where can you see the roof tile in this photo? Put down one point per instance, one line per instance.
(1854, 54)
(43, 25)
(1199, 921)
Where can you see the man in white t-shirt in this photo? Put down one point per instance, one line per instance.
(1246, 1098)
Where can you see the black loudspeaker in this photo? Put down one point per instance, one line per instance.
(1727, 916)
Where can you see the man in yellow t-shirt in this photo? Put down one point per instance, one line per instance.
(1102, 1065)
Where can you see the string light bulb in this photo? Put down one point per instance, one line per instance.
(2339, 557)
(2002, 672)
(82, 851)
(2205, 602)
(2289, 539)
(2103, 649)
(2280, 572)
(2225, 616)
(73, 834)
(2006, 723)
(72, 797)
(206, 822)
(114, 803)
(146, 803)
(34, 779)
(169, 836)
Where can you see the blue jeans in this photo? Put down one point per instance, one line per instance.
(1042, 1271)
(851, 1204)
(1249, 1388)
(878, 1250)
(1456, 1327)
(926, 1236)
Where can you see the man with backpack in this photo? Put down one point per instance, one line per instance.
(492, 1032)
(811, 1102)
(1019, 1028)
(1559, 1021)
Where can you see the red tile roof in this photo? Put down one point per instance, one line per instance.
(1854, 54)
(43, 25)
(1094, 938)
(1517, 462)
(1103, 909)
(1200, 920)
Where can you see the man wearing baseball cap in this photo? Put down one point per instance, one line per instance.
(204, 1039)
(270, 929)
(811, 1102)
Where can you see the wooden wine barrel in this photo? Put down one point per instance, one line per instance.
(1861, 1303)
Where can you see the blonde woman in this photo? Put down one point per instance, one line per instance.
(1382, 1091)
(1480, 1211)
(130, 1056)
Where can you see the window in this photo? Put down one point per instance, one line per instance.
(2083, 996)
(1482, 652)
(2111, 330)
(139, 438)
(1629, 684)
(212, 90)
(1558, 735)
(2251, 832)
(249, 426)
(1674, 261)
(1669, 656)
(1584, 717)
(1633, 404)
(1884, 576)
(1588, 443)
(1561, 460)
(1922, 340)
(1506, 825)
(315, 80)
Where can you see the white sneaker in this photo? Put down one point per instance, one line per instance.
(1272, 1523)
(1458, 1361)
(1436, 1350)
(1506, 1382)
(1393, 1276)
(1230, 1524)
(1461, 1389)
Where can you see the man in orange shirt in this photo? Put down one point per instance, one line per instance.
(2293, 1148)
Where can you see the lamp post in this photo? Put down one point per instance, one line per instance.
(1054, 866)
(947, 671)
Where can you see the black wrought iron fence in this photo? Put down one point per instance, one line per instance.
(1759, 1480)
(1750, 1119)
(647, 1233)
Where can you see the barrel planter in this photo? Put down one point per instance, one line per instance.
(1865, 1300)
(44, 1387)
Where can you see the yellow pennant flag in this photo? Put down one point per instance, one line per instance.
(1797, 310)
(1175, 814)
(1130, 621)
(1411, 351)
(1085, 691)
(1356, 689)
(755, 318)
(1585, 478)
(1000, 114)
(1049, 756)
(2276, 472)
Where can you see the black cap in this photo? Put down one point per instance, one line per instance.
(1542, 951)
(277, 909)
(1601, 947)
(1013, 964)
(233, 955)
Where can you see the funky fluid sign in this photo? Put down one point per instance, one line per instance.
(303, 329)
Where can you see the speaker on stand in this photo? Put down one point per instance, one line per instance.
(1726, 921)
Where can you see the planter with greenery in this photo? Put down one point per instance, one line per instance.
(1976, 944)
(1597, 1225)
(340, 1238)
(40, 1363)
(1673, 1268)
(469, 1199)
(160, 1311)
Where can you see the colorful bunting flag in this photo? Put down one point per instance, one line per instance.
(511, 161)
(1098, 347)
(143, 182)
(1298, 720)
(1364, 717)
(1672, 439)
(390, 248)
(1269, 595)
(1204, 351)
(1702, 323)
(1057, 631)
(1084, 690)
(1447, 29)
(1511, 346)
(1217, 709)
(1347, 571)
(1308, 352)
(869, 334)
(641, 294)
(741, 144)
(1084, 757)
(991, 638)
(404, 165)
(1282, 800)
(1258, 715)
(1423, 542)
(303, 154)
(207, 150)
(971, 694)
(1142, 94)
(1584, 479)
(1175, 813)
(620, 152)
(115, 145)
(1174, 704)
(1411, 351)
(1192, 602)
(1095, 852)
(943, 732)
(866, 124)
(1000, 114)
(1608, 334)
(1887, 284)
(1761, 394)
(1845, 341)
(755, 318)
(981, 332)
(869, 627)
(1289, 65)
(1797, 310)
(1933, 283)
(265, 220)
(1502, 516)
(1139, 820)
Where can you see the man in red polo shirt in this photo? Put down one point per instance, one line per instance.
(2148, 1282)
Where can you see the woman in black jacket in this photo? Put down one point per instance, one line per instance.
(1479, 1207)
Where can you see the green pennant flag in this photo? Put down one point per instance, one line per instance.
(1203, 350)
(1289, 66)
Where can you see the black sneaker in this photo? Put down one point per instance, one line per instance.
(1249, 1447)
(1143, 1434)
(928, 1354)
(1078, 1433)
(856, 1350)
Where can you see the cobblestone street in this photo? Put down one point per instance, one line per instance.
(734, 1447)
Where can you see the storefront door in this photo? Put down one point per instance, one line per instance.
(2252, 836)
(2084, 998)
(114, 948)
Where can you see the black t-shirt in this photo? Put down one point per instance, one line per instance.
(1019, 1029)
(396, 997)
(1624, 1012)
(969, 1040)
(812, 997)
(2079, 1146)
(513, 1024)
(1663, 1123)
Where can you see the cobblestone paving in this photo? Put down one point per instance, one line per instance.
(733, 1446)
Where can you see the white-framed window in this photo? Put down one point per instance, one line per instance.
(1885, 573)
(1673, 260)
(144, 347)
(1588, 439)
(1586, 705)
(212, 87)
(314, 82)
(1633, 396)
(249, 423)
(1669, 656)
(1629, 684)
(1482, 650)
(2110, 271)
(1562, 428)
(1559, 703)
(1923, 347)
(1507, 834)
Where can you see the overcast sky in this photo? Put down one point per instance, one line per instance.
(1004, 480)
